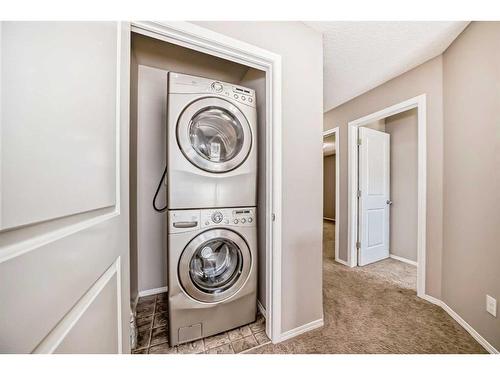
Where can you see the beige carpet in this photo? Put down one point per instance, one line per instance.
(374, 309)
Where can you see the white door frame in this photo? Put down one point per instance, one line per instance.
(197, 38)
(327, 133)
(418, 102)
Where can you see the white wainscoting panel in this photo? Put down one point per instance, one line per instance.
(57, 148)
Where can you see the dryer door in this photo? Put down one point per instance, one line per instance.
(214, 135)
(215, 265)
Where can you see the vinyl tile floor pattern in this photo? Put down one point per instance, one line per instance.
(152, 326)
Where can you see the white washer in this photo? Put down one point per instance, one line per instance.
(212, 144)
(212, 271)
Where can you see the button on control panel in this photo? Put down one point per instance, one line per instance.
(228, 217)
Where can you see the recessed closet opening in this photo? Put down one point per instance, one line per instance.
(151, 61)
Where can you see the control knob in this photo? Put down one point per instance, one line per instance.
(217, 217)
(217, 87)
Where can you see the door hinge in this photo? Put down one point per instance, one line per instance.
(359, 141)
(358, 245)
(273, 217)
(359, 194)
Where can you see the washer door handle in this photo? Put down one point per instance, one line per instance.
(185, 224)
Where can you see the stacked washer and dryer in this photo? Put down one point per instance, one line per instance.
(212, 194)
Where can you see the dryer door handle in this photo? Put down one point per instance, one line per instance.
(185, 224)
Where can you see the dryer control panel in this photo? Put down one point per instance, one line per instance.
(227, 217)
(186, 84)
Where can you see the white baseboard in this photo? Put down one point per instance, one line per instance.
(342, 262)
(404, 260)
(149, 292)
(432, 299)
(262, 309)
(480, 339)
(300, 330)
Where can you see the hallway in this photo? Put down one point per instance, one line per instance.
(374, 309)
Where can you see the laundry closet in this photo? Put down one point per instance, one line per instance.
(196, 119)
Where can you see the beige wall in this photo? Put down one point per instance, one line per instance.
(376, 125)
(426, 78)
(404, 193)
(471, 251)
(158, 54)
(329, 186)
(302, 102)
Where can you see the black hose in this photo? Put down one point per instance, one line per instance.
(157, 191)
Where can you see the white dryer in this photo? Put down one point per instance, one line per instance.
(212, 144)
(212, 271)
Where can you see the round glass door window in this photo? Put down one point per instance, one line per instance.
(214, 135)
(216, 265)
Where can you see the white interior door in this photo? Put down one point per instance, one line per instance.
(64, 251)
(374, 197)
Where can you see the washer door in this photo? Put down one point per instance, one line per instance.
(214, 265)
(214, 135)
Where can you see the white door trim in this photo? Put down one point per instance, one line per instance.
(200, 39)
(418, 102)
(326, 133)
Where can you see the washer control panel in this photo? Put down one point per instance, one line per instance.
(228, 217)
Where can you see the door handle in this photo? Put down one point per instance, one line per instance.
(389, 202)
(185, 224)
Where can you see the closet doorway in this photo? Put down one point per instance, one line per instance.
(209, 43)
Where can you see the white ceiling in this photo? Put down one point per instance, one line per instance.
(359, 56)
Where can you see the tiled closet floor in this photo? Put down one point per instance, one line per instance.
(152, 325)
